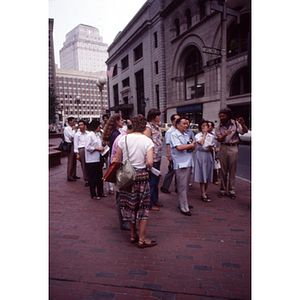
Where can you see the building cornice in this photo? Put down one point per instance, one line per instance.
(129, 25)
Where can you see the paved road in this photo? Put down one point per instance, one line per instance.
(243, 164)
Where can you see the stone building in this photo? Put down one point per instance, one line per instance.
(164, 58)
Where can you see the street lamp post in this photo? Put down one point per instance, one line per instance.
(77, 101)
(100, 82)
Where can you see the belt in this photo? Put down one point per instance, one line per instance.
(229, 144)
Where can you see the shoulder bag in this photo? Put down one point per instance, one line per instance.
(64, 146)
(126, 174)
(217, 164)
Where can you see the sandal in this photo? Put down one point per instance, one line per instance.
(134, 239)
(143, 244)
(221, 194)
(103, 195)
(111, 192)
(205, 199)
(96, 198)
(232, 196)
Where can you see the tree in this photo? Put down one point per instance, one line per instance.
(52, 106)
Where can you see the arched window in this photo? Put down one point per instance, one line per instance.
(237, 36)
(241, 83)
(194, 75)
(188, 18)
(177, 27)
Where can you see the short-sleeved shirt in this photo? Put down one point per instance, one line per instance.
(156, 139)
(233, 137)
(168, 134)
(69, 134)
(181, 159)
(138, 146)
(191, 135)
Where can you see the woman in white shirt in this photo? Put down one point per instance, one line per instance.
(94, 161)
(135, 200)
(203, 169)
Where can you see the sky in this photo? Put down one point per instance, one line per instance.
(109, 16)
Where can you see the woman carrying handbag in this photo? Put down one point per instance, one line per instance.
(135, 199)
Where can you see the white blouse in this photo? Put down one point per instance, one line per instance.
(138, 146)
(209, 141)
(92, 141)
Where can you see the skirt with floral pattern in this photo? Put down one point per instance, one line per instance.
(135, 200)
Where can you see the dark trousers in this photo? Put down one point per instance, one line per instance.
(94, 172)
(154, 180)
(71, 166)
(168, 180)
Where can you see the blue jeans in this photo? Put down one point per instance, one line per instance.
(154, 180)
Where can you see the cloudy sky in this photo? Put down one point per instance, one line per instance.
(109, 16)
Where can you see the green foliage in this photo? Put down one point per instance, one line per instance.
(53, 105)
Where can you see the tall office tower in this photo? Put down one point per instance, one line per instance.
(84, 50)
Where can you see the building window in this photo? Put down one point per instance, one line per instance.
(139, 79)
(188, 18)
(138, 52)
(125, 82)
(125, 62)
(115, 72)
(155, 39)
(177, 27)
(194, 75)
(156, 67)
(241, 83)
(237, 36)
(202, 9)
(116, 94)
(157, 96)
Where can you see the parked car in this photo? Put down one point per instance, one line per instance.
(246, 137)
(165, 127)
(194, 128)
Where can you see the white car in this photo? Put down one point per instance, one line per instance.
(246, 137)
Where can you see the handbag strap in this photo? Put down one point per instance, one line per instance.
(126, 147)
(214, 154)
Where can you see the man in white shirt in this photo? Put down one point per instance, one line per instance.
(79, 148)
(69, 134)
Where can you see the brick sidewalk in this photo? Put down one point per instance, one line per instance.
(205, 256)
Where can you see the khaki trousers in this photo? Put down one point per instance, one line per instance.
(228, 156)
(183, 176)
(82, 161)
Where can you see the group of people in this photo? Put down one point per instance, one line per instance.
(181, 142)
(86, 147)
(141, 142)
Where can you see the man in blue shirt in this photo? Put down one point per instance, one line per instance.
(181, 151)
